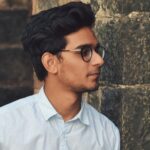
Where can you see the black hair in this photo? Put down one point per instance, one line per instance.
(45, 31)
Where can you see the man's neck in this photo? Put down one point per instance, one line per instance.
(66, 103)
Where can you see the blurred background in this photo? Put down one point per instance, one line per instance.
(123, 27)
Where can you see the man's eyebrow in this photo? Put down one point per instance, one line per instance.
(90, 45)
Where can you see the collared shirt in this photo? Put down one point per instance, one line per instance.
(32, 123)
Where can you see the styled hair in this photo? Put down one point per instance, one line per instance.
(45, 31)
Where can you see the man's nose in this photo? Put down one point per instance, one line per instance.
(97, 59)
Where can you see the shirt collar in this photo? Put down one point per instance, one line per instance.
(46, 107)
(49, 111)
(83, 114)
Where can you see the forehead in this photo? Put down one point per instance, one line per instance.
(83, 36)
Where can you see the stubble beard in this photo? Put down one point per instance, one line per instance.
(89, 89)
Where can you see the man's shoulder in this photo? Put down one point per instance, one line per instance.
(16, 117)
(99, 119)
(104, 128)
(18, 105)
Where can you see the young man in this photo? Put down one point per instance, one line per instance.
(67, 56)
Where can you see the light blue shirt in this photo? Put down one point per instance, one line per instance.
(32, 123)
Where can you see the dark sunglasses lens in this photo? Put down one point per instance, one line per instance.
(86, 53)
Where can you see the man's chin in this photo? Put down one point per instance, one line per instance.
(92, 88)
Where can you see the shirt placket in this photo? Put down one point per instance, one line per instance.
(63, 130)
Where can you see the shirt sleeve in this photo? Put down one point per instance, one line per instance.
(117, 139)
(1, 133)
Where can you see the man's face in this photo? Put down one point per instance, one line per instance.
(74, 73)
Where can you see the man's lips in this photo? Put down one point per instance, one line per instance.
(94, 74)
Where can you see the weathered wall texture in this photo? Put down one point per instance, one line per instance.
(124, 93)
(16, 73)
(15, 4)
(124, 28)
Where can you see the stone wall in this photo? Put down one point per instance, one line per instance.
(124, 93)
(124, 28)
(16, 73)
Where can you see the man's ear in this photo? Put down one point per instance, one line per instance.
(49, 62)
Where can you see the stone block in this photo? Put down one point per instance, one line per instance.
(119, 6)
(108, 101)
(127, 40)
(128, 6)
(3, 4)
(136, 48)
(12, 23)
(136, 118)
(7, 4)
(129, 108)
(11, 94)
(15, 68)
(39, 5)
